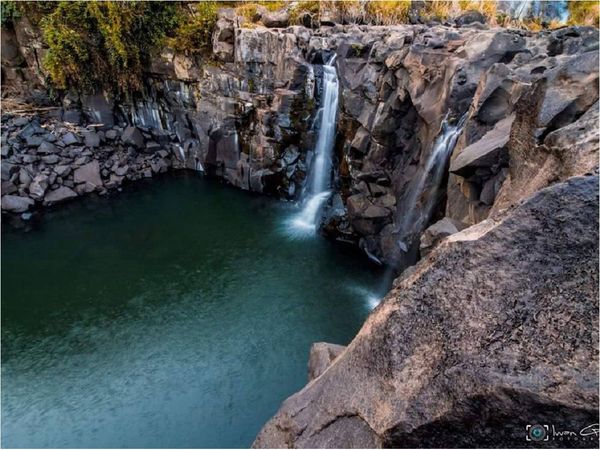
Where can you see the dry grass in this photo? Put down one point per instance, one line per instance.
(438, 10)
(584, 13)
(300, 8)
(486, 7)
(387, 12)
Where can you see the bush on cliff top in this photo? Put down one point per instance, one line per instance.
(195, 26)
(104, 44)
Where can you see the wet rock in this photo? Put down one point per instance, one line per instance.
(467, 335)
(38, 186)
(16, 204)
(121, 171)
(443, 228)
(159, 166)
(360, 143)
(59, 195)
(89, 174)
(489, 151)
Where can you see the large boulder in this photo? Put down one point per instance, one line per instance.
(38, 186)
(16, 203)
(434, 234)
(59, 195)
(496, 330)
(133, 136)
(488, 151)
(89, 174)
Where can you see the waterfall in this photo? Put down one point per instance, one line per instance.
(432, 174)
(317, 188)
(546, 10)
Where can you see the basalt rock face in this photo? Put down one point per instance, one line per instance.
(401, 84)
(247, 115)
(494, 330)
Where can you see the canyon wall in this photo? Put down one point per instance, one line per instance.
(247, 115)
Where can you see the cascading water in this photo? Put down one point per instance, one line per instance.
(317, 189)
(432, 175)
(430, 178)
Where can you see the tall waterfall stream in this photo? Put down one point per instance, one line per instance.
(317, 189)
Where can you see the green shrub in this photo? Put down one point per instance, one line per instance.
(8, 12)
(194, 32)
(105, 45)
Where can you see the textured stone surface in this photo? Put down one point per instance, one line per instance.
(321, 356)
(59, 195)
(15, 203)
(494, 330)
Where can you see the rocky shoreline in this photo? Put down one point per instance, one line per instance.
(49, 162)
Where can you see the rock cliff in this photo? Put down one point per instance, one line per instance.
(495, 330)
(246, 115)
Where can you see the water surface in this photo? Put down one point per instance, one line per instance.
(175, 314)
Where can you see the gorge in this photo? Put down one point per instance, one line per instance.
(420, 225)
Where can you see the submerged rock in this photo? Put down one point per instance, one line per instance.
(495, 330)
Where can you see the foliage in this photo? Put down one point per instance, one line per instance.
(584, 13)
(104, 44)
(8, 12)
(300, 8)
(196, 24)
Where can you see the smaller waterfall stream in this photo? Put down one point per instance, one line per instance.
(317, 189)
(432, 175)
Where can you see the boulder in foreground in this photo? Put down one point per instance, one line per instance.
(495, 330)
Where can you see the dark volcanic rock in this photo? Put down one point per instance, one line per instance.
(133, 136)
(496, 329)
(89, 173)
